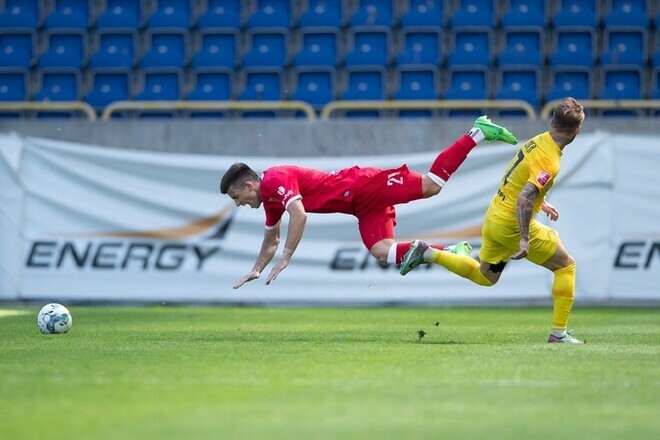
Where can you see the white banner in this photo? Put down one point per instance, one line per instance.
(88, 223)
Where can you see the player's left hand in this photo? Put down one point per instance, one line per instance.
(279, 267)
(550, 211)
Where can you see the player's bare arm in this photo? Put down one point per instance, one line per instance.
(297, 222)
(524, 213)
(268, 248)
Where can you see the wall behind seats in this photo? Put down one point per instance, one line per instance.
(291, 137)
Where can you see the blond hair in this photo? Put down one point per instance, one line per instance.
(567, 115)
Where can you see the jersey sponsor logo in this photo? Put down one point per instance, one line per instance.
(281, 190)
(543, 178)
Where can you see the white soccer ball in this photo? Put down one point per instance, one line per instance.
(54, 318)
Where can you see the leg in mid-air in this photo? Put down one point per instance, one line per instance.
(498, 244)
(449, 159)
(377, 232)
(376, 215)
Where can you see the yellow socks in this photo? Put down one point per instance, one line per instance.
(462, 265)
(563, 293)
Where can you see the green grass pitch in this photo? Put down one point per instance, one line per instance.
(329, 373)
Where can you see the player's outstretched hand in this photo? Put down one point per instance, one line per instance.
(249, 277)
(550, 211)
(523, 250)
(279, 267)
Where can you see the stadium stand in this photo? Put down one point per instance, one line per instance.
(320, 51)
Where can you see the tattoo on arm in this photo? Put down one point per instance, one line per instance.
(525, 208)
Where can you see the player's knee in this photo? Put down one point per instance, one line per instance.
(570, 268)
(380, 256)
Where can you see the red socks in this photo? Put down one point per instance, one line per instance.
(451, 158)
(402, 248)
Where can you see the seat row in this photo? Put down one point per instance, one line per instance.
(361, 46)
(318, 86)
(237, 14)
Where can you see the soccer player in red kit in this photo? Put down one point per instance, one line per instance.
(367, 193)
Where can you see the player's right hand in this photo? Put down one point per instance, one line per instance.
(249, 277)
(523, 250)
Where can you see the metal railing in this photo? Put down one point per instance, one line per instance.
(339, 106)
(49, 107)
(155, 106)
(329, 110)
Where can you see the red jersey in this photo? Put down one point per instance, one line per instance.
(321, 192)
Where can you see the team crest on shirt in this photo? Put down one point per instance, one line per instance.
(543, 178)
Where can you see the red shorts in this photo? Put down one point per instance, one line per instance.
(377, 193)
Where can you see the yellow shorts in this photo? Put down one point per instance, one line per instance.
(499, 242)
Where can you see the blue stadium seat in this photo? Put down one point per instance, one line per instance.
(627, 13)
(624, 46)
(522, 47)
(120, 14)
(13, 84)
(160, 85)
(270, 14)
(524, 13)
(372, 13)
(167, 49)
(116, 49)
(20, 14)
(211, 85)
(218, 49)
(655, 59)
(573, 47)
(17, 48)
(267, 48)
(470, 48)
(322, 13)
(575, 83)
(518, 83)
(416, 83)
(68, 14)
(368, 46)
(224, 14)
(468, 84)
(421, 46)
(655, 94)
(170, 14)
(319, 48)
(474, 13)
(262, 85)
(364, 84)
(577, 13)
(621, 83)
(423, 13)
(58, 85)
(66, 48)
(315, 86)
(108, 86)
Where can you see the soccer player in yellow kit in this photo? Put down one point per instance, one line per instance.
(510, 230)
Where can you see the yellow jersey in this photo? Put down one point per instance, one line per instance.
(537, 162)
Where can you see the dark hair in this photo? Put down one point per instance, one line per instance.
(237, 174)
(567, 115)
